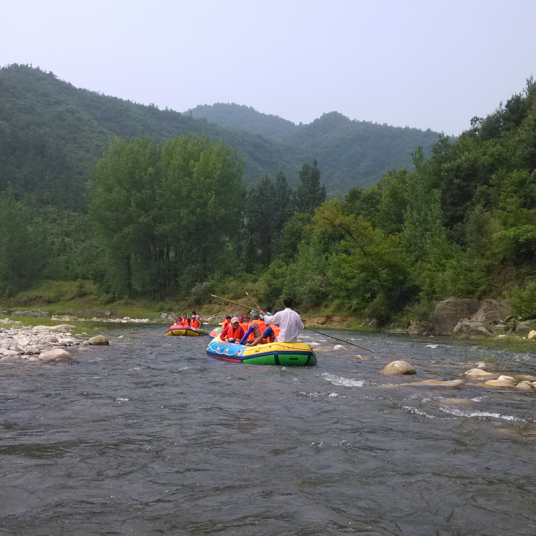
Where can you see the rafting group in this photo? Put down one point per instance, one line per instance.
(187, 326)
(261, 338)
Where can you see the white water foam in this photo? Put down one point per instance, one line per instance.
(345, 382)
(479, 414)
(419, 412)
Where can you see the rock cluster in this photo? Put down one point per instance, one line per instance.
(45, 343)
(455, 316)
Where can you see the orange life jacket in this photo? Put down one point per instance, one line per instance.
(276, 330)
(262, 326)
(196, 323)
(232, 333)
(225, 323)
(184, 322)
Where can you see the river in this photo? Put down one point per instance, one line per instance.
(149, 436)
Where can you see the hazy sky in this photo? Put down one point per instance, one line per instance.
(421, 63)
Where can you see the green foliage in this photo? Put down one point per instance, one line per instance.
(523, 302)
(21, 252)
(310, 192)
(267, 209)
(368, 269)
(165, 216)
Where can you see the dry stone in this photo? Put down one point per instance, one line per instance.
(450, 311)
(470, 327)
(419, 328)
(491, 311)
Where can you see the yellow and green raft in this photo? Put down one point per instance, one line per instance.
(185, 331)
(295, 354)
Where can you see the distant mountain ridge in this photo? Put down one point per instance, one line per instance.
(244, 117)
(349, 152)
(52, 135)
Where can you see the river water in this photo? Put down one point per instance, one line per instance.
(149, 436)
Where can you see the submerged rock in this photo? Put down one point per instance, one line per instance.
(457, 401)
(399, 367)
(438, 383)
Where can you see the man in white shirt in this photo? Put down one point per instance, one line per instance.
(289, 321)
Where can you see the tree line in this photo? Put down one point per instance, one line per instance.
(175, 218)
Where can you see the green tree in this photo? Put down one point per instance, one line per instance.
(266, 211)
(21, 251)
(124, 193)
(310, 192)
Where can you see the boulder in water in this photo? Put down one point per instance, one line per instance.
(99, 340)
(477, 373)
(527, 386)
(398, 367)
(58, 354)
(499, 383)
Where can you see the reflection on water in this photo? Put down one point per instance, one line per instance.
(150, 436)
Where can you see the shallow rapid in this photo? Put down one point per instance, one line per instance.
(150, 436)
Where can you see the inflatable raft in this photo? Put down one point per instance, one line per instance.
(296, 354)
(179, 329)
(214, 333)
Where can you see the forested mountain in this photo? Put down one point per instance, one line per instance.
(52, 135)
(349, 153)
(171, 216)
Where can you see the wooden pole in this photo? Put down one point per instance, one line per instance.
(230, 301)
(337, 339)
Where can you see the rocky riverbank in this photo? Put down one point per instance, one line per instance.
(41, 343)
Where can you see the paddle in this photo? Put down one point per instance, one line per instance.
(337, 339)
(256, 304)
(230, 301)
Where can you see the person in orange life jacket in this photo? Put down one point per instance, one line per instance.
(243, 323)
(255, 329)
(233, 332)
(289, 321)
(184, 321)
(226, 322)
(196, 321)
